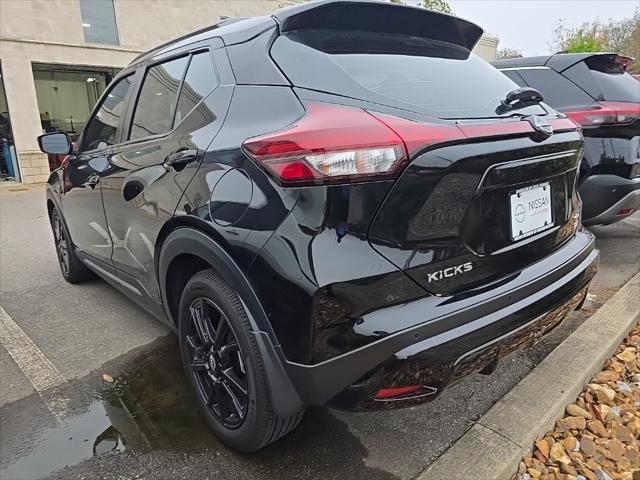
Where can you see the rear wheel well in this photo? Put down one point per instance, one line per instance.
(180, 270)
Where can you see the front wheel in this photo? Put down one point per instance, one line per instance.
(223, 362)
(71, 267)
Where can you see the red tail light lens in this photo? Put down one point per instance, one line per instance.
(330, 144)
(335, 144)
(419, 135)
(607, 113)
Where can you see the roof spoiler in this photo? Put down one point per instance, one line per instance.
(563, 60)
(379, 17)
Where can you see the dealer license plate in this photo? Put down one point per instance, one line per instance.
(531, 210)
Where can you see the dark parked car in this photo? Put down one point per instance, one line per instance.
(595, 91)
(335, 205)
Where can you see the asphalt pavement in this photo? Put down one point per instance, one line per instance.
(60, 418)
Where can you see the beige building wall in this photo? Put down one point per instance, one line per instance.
(50, 31)
(487, 48)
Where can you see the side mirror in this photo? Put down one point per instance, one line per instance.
(56, 143)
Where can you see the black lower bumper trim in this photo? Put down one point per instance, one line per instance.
(436, 367)
(467, 321)
(604, 196)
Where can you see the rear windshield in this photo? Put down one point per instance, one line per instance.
(616, 84)
(424, 75)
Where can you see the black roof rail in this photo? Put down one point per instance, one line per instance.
(558, 61)
(537, 61)
(223, 22)
(562, 61)
(378, 17)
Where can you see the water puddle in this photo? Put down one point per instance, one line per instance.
(149, 406)
(147, 423)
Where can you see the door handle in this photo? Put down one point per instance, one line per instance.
(180, 159)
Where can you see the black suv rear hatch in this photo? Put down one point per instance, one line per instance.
(464, 214)
(451, 220)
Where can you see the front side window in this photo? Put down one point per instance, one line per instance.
(102, 128)
(99, 22)
(157, 100)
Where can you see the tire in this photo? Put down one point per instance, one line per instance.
(222, 360)
(72, 269)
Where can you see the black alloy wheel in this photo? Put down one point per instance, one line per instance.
(62, 247)
(216, 363)
(72, 269)
(225, 366)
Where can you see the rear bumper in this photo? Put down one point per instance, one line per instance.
(456, 334)
(605, 196)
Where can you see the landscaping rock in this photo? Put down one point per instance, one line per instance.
(597, 427)
(571, 423)
(599, 439)
(576, 411)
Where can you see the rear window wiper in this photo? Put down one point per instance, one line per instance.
(519, 98)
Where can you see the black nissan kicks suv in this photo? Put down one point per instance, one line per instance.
(338, 204)
(596, 91)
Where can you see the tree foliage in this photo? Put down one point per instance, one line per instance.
(508, 53)
(435, 5)
(619, 36)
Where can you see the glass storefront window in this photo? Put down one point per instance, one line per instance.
(66, 95)
(8, 159)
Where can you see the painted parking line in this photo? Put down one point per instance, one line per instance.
(43, 375)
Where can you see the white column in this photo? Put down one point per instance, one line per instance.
(20, 89)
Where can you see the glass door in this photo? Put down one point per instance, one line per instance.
(9, 170)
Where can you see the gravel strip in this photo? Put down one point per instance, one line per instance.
(599, 438)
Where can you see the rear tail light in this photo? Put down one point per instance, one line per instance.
(607, 113)
(330, 144)
(335, 144)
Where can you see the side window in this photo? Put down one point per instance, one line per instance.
(157, 99)
(513, 75)
(100, 131)
(557, 91)
(198, 83)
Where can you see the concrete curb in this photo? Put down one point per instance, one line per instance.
(493, 447)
